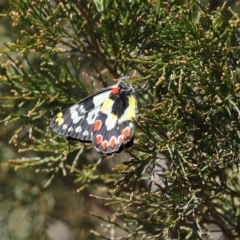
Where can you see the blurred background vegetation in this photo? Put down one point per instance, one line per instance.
(180, 180)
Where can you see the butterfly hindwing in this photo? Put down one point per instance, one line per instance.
(113, 128)
(115, 139)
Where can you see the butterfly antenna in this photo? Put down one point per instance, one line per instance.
(125, 76)
(143, 87)
(128, 65)
(140, 48)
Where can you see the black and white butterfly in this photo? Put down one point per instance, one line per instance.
(105, 118)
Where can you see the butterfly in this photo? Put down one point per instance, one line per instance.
(105, 118)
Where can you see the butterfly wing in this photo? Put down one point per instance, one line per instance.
(76, 122)
(105, 118)
(113, 129)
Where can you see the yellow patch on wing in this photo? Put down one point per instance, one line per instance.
(106, 105)
(59, 120)
(130, 112)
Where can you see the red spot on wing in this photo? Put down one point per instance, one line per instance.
(104, 144)
(126, 132)
(113, 142)
(115, 91)
(120, 139)
(99, 139)
(97, 125)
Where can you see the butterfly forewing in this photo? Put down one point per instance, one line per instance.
(76, 122)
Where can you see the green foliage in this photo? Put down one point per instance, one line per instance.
(182, 173)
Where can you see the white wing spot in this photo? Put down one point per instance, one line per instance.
(64, 126)
(78, 129)
(100, 98)
(85, 133)
(73, 108)
(81, 109)
(131, 125)
(111, 121)
(92, 115)
(74, 114)
(70, 129)
(77, 119)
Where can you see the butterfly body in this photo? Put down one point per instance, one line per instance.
(105, 118)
